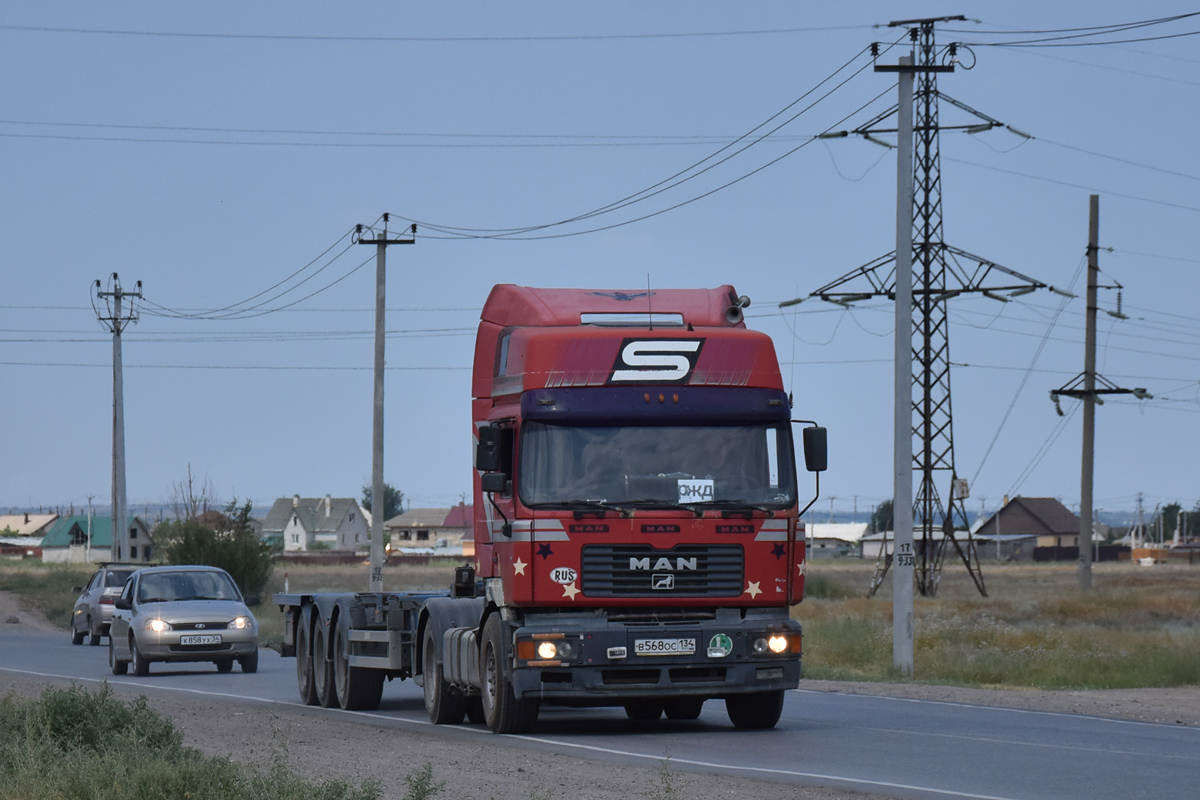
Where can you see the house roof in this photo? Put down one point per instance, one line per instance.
(1041, 516)
(461, 516)
(59, 534)
(420, 518)
(845, 531)
(26, 524)
(311, 512)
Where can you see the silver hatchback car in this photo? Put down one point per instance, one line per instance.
(181, 614)
(94, 608)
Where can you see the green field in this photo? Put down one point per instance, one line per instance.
(1137, 627)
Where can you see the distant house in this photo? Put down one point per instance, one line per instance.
(834, 538)
(78, 540)
(21, 534)
(431, 528)
(1044, 517)
(300, 524)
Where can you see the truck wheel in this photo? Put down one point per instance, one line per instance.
(444, 704)
(644, 710)
(755, 711)
(684, 707)
(358, 688)
(322, 669)
(304, 662)
(502, 711)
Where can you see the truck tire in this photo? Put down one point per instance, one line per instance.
(644, 710)
(304, 661)
(444, 704)
(322, 669)
(684, 707)
(357, 688)
(502, 711)
(756, 711)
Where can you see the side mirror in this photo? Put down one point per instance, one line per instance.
(123, 603)
(494, 482)
(77, 589)
(487, 452)
(253, 600)
(816, 451)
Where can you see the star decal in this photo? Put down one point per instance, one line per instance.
(779, 551)
(519, 566)
(752, 589)
(570, 591)
(544, 550)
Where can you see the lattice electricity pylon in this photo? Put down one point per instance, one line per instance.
(940, 272)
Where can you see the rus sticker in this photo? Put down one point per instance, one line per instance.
(563, 575)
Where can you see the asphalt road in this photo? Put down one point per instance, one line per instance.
(907, 748)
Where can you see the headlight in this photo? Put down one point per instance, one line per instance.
(772, 643)
(759, 647)
(157, 625)
(547, 649)
(240, 623)
(777, 643)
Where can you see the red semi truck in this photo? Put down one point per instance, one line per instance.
(637, 535)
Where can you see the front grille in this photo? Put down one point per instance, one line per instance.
(199, 626)
(639, 570)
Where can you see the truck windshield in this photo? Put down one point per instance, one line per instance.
(657, 466)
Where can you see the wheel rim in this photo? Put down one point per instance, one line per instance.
(341, 666)
(490, 680)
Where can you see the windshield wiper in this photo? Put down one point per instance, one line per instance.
(735, 506)
(655, 503)
(580, 507)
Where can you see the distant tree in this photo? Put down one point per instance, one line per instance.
(393, 500)
(881, 517)
(237, 550)
(190, 498)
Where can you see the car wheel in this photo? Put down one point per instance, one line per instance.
(117, 667)
(249, 663)
(93, 637)
(225, 665)
(76, 636)
(644, 710)
(141, 667)
(444, 704)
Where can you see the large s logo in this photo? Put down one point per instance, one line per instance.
(656, 360)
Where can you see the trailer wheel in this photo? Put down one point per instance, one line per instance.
(322, 669)
(502, 711)
(304, 661)
(684, 707)
(444, 704)
(755, 711)
(358, 688)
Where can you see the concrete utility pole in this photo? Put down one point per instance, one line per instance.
(381, 242)
(116, 318)
(902, 461)
(1085, 388)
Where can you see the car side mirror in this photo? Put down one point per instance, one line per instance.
(123, 603)
(77, 589)
(253, 600)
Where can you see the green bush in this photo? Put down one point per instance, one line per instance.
(72, 744)
(238, 550)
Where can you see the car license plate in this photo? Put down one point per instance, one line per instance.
(211, 638)
(664, 647)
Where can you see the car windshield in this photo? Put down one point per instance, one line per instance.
(116, 579)
(166, 587)
(656, 466)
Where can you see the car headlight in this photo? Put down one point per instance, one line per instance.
(157, 625)
(240, 623)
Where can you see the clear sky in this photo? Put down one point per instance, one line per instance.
(213, 151)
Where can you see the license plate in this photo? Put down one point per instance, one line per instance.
(664, 647)
(211, 638)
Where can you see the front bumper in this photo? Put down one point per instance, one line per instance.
(596, 677)
(166, 646)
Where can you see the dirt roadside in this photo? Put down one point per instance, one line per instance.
(317, 746)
